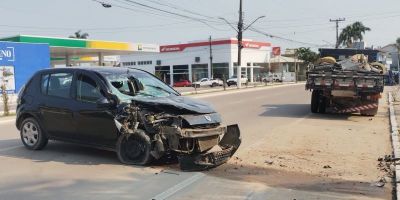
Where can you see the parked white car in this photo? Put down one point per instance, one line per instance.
(233, 80)
(207, 82)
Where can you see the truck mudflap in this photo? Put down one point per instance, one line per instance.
(216, 156)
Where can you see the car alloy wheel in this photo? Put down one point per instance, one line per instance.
(30, 134)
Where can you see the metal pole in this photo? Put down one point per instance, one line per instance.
(295, 65)
(211, 59)
(240, 46)
(337, 29)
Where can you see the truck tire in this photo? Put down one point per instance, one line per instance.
(315, 101)
(135, 148)
(322, 104)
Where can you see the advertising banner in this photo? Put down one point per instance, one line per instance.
(7, 77)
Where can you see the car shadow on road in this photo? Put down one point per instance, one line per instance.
(299, 111)
(281, 178)
(69, 153)
(60, 152)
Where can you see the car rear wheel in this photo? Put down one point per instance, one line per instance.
(32, 135)
(134, 149)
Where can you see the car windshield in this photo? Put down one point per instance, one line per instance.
(134, 83)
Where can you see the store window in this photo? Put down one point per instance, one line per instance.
(163, 73)
(220, 70)
(180, 72)
(199, 71)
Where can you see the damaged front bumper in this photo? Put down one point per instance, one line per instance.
(215, 156)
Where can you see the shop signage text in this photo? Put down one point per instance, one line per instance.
(7, 54)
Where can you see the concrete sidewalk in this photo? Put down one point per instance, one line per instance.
(192, 91)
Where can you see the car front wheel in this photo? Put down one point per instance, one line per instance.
(134, 149)
(32, 135)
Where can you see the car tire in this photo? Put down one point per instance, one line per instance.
(32, 135)
(214, 85)
(135, 148)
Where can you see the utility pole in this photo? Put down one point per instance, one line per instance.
(337, 29)
(240, 46)
(240, 29)
(211, 58)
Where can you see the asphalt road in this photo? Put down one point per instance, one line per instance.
(66, 171)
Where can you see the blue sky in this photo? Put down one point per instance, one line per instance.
(299, 20)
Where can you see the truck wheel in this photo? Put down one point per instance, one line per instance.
(322, 104)
(134, 149)
(32, 135)
(315, 101)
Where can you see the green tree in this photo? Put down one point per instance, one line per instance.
(79, 35)
(352, 33)
(307, 55)
(3, 87)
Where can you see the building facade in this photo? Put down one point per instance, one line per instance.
(191, 61)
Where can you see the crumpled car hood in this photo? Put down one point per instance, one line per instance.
(184, 104)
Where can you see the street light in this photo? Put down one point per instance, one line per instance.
(240, 31)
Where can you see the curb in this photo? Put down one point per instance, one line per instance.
(236, 89)
(395, 142)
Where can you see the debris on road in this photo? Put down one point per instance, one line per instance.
(379, 183)
(269, 162)
(327, 167)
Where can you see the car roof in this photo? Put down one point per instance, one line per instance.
(101, 70)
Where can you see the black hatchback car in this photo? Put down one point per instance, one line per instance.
(126, 110)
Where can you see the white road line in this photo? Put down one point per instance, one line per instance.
(171, 191)
(10, 148)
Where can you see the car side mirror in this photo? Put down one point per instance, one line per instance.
(103, 102)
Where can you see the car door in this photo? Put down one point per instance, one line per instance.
(95, 125)
(56, 104)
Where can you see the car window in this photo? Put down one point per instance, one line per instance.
(57, 84)
(44, 83)
(87, 89)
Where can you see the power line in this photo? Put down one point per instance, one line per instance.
(285, 39)
(180, 9)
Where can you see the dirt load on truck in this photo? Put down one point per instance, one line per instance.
(349, 86)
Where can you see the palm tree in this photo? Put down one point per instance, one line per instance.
(352, 33)
(79, 35)
(359, 29)
(346, 36)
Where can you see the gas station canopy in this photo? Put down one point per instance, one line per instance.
(66, 48)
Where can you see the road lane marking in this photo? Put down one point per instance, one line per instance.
(174, 189)
(10, 148)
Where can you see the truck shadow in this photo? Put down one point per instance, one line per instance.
(299, 111)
